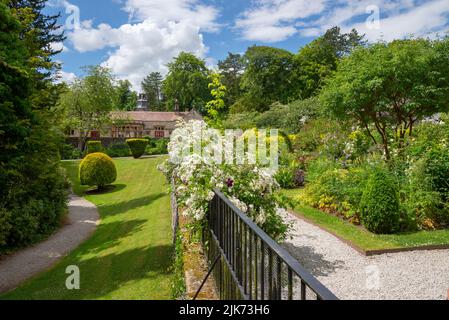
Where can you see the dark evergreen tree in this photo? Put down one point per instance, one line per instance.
(152, 86)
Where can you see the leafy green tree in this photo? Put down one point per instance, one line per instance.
(32, 186)
(231, 69)
(126, 98)
(388, 88)
(187, 81)
(88, 102)
(267, 77)
(215, 107)
(316, 61)
(152, 86)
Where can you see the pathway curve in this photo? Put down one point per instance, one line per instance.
(81, 222)
(350, 275)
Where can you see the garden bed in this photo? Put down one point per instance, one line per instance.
(366, 242)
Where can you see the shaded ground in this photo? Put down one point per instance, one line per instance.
(129, 255)
(81, 222)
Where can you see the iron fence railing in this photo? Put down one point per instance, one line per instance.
(248, 264)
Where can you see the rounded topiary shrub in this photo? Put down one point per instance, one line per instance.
(94, 146)
(380, 211)
(137, 147)
(97, 169)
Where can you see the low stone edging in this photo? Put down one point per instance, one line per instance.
(369, 253)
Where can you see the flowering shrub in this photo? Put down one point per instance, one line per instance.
(251, 188)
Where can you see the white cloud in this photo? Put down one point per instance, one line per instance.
(57, 46)
(275, 20)
(67, 77)
(162, 11)
(425, 20)
(138, 49)
(159, 31)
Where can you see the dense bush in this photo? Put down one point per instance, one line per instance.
(94, 146)
(69, 152)
(335, 189)
(137, 147)
(29, 214)
(380, 210)
(97, 169)
(285, 177)
(157, 147)
(118, 150)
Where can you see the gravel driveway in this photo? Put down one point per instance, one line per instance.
(82, 221)
(350, 275)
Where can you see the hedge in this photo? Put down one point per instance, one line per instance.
(94, 146)
(137, 147)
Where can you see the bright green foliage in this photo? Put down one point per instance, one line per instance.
(129, 255)
(316, 61)
(380, 212)
(137, 147)
(97, 169)
(267, 77)
(157, 146)
(216, 106)
(388, 88)
(126, 98)
(363, 238)
(87, 103)
(286, 177)
(152, 86)
(187, 81)
(94, 146)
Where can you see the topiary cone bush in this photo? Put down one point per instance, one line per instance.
(97, 169)
(380, 210)
(94, 146)
(137, 147)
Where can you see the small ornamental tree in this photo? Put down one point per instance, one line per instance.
(216, 106)
(137, 147)
(389, 87)
(97, 169)
(94, 146)
(380, 211)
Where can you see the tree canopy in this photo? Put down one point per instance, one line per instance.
(317, 60)
(388, 87)
(126, 98)
(231, 70)
(152, 86)
(267, 77)
(187, 81)
(88, 102)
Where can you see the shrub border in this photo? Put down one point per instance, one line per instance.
(374, 252)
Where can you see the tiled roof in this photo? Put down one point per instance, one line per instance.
(149, 116)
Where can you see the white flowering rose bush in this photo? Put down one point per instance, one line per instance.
(251, 188)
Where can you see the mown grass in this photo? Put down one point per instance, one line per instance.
(129, 255)
(363, 238)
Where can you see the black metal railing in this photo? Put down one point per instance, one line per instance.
(250, 265)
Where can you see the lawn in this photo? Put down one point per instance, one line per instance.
(364, 239)
(129, 255)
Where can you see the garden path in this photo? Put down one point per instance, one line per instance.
(81, 222)
(348, 274)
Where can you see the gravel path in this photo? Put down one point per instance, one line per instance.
(419, 275)
(82, 220)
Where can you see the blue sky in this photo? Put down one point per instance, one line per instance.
(135, 37)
